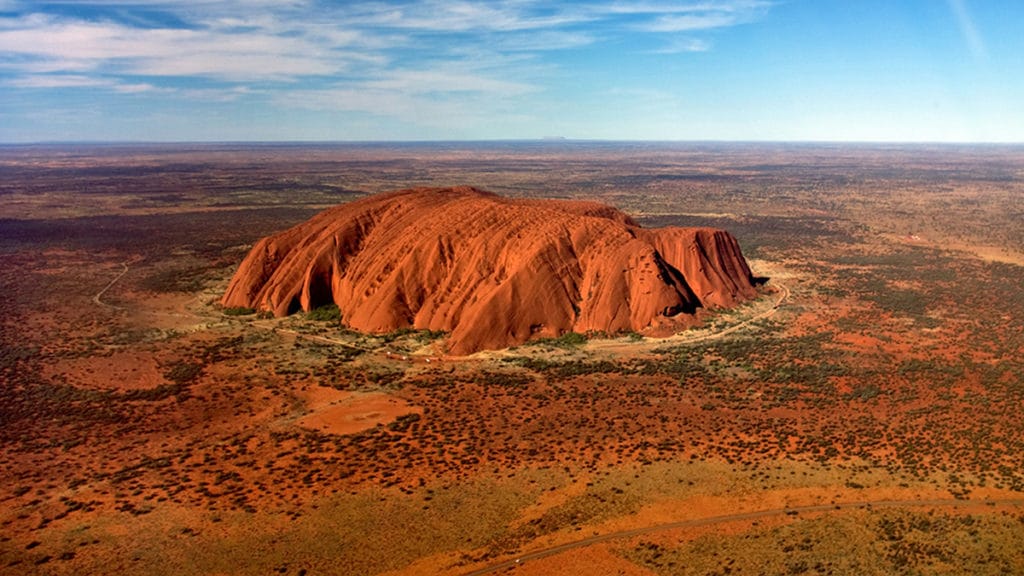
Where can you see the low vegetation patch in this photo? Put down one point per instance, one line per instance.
(326, 313)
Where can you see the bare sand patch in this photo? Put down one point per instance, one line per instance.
(589, 560)
(133, 370)
(340, 412)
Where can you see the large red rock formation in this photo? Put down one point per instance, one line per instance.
(491, 271)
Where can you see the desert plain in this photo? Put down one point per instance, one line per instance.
(861, 415)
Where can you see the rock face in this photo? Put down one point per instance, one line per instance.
(491, 271)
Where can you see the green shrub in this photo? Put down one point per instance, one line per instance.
(572, 339)
(430, 335)
(396, 334)
(183, 373)
(238, 311)
(567, 340)
(325, 313)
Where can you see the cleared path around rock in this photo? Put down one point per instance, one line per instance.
(730, 329)
(688, 337)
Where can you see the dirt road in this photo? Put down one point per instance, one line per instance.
(98, 298)
(727, 518)
(730, 329)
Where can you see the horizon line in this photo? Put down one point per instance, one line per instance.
(542, 140)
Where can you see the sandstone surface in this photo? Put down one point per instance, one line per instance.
(491, 271)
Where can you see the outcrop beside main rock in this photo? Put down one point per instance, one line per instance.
(491, 271)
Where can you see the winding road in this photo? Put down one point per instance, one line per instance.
(740, 517)
(99, 295)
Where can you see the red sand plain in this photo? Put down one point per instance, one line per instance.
(149, 433)
(254, 398)
(336, 412)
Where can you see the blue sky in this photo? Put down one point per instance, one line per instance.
(838, 70)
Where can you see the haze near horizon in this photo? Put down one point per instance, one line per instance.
(258, 70)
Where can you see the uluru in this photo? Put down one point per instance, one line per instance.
(491, 271)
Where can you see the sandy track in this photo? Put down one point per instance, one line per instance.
(727, 518)
(686, 337)
(681, 338)
(98, 298)
(730, 329)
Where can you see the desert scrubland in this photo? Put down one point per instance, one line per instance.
(860, 415)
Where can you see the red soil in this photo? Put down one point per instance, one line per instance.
(339, 412)
(118, 371)
(492, 271)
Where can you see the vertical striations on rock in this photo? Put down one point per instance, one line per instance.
(491, 271)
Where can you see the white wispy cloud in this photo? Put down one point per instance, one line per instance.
(137, 88)
(460, 16)
(450, 112)
(683, 45)
(266, 40)
(690, 22)
(425, 97)
(425, 81)
(520, 15)
(78, 81)
(736, 6)
(220, 95)
(542, 40)
(967, 28)
(258, 52)
(192, 6)
(692, 16)
(57, 81)
(421, 62)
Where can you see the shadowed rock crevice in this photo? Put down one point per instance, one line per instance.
(492, 271)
